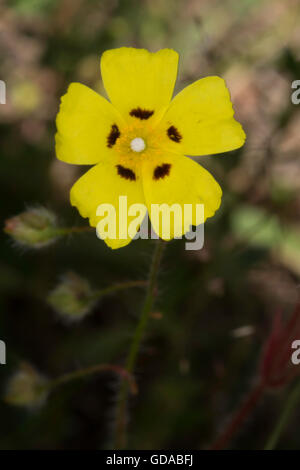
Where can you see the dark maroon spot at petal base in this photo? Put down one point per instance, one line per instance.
(126, 173)
(161, 171)
(174, 134)
(141, 113)
(113, 135)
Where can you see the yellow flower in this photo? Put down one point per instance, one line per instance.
(138, 140)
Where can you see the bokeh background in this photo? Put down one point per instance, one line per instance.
(215, 307)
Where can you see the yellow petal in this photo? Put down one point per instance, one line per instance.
(199, 120)
(84, 122)
(102, 184)
(179, 180)
(138, 80)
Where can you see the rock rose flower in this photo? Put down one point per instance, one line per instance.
(138, 141)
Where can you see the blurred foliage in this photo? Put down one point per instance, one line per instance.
(193, 369)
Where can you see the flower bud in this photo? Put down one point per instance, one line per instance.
(34, 228)
(73, 298)
(26, 388)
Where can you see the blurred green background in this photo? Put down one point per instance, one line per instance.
(196, 363)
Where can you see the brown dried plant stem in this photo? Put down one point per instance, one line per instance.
(122, 401)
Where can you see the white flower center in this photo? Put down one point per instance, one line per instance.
(137, 144)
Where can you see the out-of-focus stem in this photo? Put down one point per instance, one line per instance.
(80, 373)
(68, 230)
(284, 418)
(240, 415)
(121, 286)
(122, 401)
